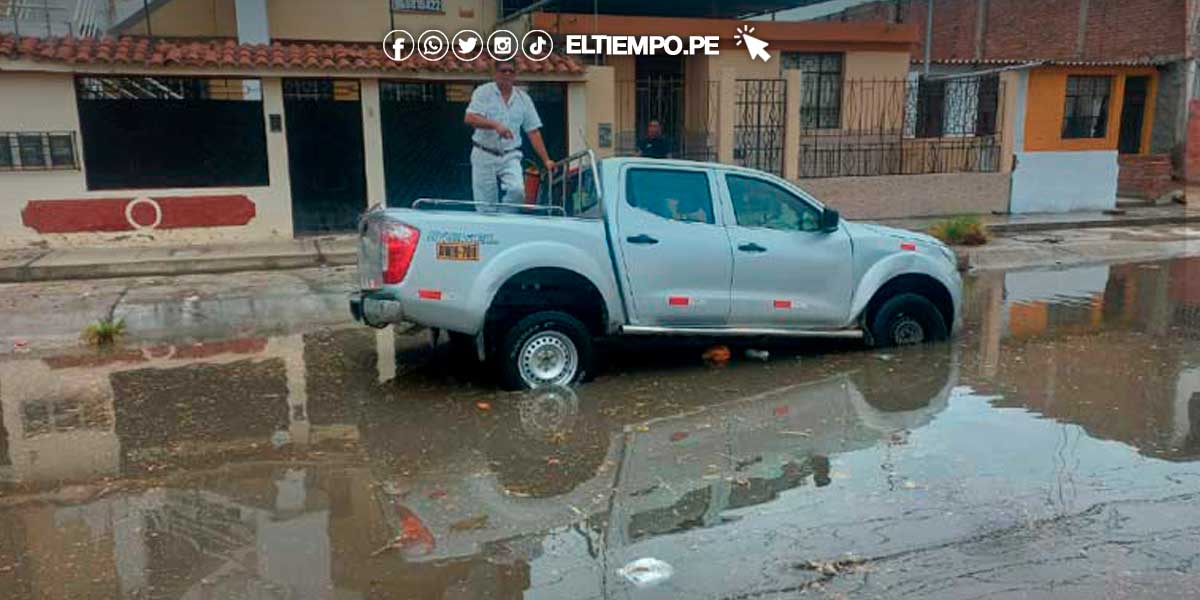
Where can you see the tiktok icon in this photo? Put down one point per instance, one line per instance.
(537, 45)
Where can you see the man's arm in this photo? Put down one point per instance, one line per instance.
(475, 118)
(533, 129)
(539, 147)
(479, 121)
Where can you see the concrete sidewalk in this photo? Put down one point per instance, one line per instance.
(1175, 214)
(34, 264)
(97, 263)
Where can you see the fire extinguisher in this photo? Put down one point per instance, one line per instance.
(533, 181)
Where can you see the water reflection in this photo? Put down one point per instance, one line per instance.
(1110, 348)
(354, 463)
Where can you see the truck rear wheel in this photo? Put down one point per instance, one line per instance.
(545, 348)
(906, 320)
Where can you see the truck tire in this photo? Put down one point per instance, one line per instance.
(906, 320)
(545, 348)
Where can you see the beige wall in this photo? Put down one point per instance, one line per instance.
(900, 196)
(46, 102)
(738, 59)
(190, 18)
(875, 65)
(343, 20)
(600, 95)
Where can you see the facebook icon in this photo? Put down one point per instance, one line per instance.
(398, 45)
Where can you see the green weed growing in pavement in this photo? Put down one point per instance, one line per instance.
(960, 231)
(104, 332)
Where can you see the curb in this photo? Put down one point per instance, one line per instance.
(32, 273)
(1007, 228)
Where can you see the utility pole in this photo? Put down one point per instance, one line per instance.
(146, 13)
(928, 34)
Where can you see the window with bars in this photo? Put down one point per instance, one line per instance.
(821, 88)
(1086, 112)
(37, 151)
(161, 132)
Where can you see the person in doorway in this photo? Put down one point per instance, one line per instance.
(499, 112)
(654, 145)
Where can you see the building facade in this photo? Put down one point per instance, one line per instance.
(1117, 68)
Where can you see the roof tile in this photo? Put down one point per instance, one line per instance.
(225, 52)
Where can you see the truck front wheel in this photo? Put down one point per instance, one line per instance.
(545, 348)
(905, 320)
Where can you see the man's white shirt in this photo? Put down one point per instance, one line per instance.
(518, 114)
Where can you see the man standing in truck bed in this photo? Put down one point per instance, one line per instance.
(499, 112)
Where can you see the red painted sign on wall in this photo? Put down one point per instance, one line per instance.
(143, 212)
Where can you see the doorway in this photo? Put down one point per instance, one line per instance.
(1133, 114)
(325, 154)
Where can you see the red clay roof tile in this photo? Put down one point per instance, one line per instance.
(227, 53)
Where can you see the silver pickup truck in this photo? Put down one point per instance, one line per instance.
(633, 246)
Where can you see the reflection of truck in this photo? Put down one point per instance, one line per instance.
(668, 475)
(642, 247)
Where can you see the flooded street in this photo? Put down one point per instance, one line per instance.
(1052, 450)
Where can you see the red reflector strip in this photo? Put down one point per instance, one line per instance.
(429, 294)
(908, 246)
(783, 304)
(678, 301)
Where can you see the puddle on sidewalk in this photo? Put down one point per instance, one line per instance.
(1054, 445)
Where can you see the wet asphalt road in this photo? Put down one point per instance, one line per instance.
(251, 444)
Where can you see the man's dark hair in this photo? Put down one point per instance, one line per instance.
(504, 61)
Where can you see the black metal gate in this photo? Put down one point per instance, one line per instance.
(325, 153)
(1133, 114)
(761, 106)
(688, 121)
(426, 146)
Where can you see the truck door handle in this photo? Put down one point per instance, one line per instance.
(751, 247)
(641, 238)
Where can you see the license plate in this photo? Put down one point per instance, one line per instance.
(458, 251)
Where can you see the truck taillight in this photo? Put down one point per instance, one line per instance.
(401, 243)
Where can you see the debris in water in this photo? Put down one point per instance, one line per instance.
(717, 355)
(483, 405)
(280, 438)
(20, 345)
(478, 522)
(829, 568)
(645, 572)
(762, 355)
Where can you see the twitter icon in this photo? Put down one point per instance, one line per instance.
(467, 45)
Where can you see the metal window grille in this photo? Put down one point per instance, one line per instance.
(909, 127)
(1086, 112)
(760, 106)
(38, 151)
(404, 91)
(821, 89)
(167, 88)
(337, 90)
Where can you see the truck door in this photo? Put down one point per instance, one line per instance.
(786, 271)
(675, 250)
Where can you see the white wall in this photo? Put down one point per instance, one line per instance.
(1064, 181)
(46, 102)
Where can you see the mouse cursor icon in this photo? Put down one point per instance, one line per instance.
(756, 47)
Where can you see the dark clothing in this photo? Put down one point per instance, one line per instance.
(657, 147)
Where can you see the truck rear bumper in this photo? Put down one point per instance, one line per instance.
(375, 310)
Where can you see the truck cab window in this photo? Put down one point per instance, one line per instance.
(671, 194)
(759, 203)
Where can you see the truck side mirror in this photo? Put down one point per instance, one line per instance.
(829, 220)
